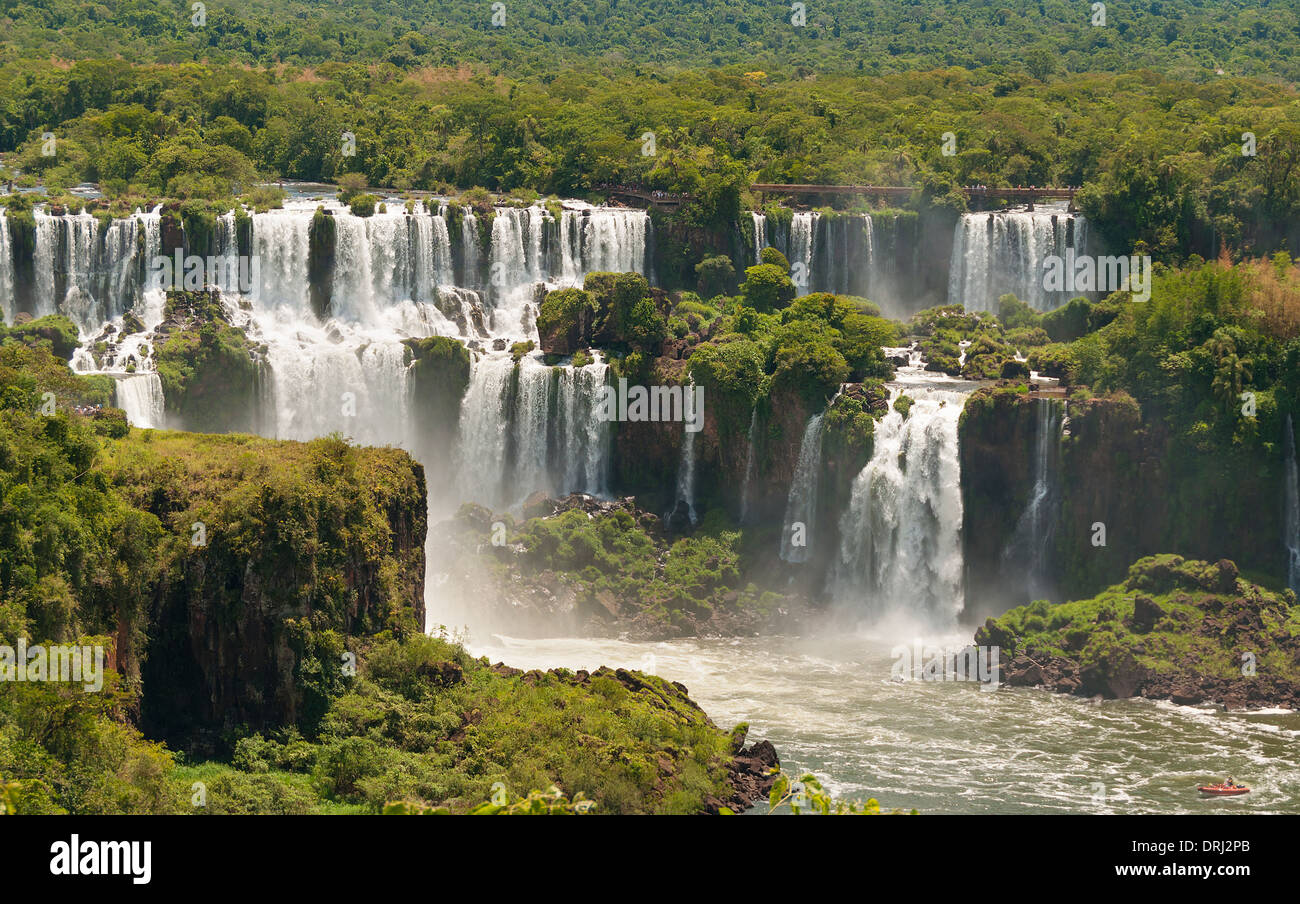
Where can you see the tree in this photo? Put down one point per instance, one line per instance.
(767, 287)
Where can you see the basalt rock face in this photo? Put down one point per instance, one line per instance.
(272, 551)
(1153, 492)
(1184, 630)
(996, 444)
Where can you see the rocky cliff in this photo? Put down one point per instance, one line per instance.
(1112, 467)
(263, 544)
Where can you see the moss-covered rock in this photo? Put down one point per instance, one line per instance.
(1186, 630)
(566, 320)
(439, 374)
(55, 331)
(609, 568)
(209, 370)
(265, 548)
(321, 243)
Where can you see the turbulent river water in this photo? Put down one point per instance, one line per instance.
(829, 705)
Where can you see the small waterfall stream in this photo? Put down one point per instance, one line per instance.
(1027, 556)
(801, 505)
(751, 441)
(141, 397)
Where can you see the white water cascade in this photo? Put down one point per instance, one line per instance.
(997, 253)
(6, 272)
(141, 397)
(760, 232)
(901, 550)
(1291, 523)
(542, 431)
(686, 478)
(1027, 554)
(801, 504)
(392, 272)
(399, 274)
(802, 229)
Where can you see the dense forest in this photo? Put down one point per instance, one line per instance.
(1161, 161)
(1186, 38)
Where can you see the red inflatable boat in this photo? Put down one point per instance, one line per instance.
(1222, 790)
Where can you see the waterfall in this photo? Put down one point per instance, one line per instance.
(397, 274)
(280, 244)
(686, 478)
(801, 505)
(997, 253)
(839, 253)
(900, 549)
(760, 233)
(532, 428)
(141, 397)
(7, 288)
(515, 266)
(604, 240)
(43, 257)
(802, 228)
(750, 462)
(1029, 550)
(1292, 510)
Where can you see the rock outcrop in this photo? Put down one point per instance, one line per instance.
(1184, 630)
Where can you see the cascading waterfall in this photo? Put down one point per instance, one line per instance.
(901, 550)
(760, 233)
(801, 505)
(43, 258)
(1028, 552)
(997, 253)
(802, 228)
(596, 240)
(1291, 474)
(838, 253)
(532, 428)
(7, 311)
(141, 397)
(686, 478)
(398, 274)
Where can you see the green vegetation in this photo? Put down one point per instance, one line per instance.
(421, 725)
(565, 320)
(1026, 37)
(624, 570)
(1174, 627)
(807, 795)
(209, 370)
(54, 331)
(290, 555)
(567, 132)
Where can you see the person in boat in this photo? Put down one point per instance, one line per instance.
(1228, 783)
